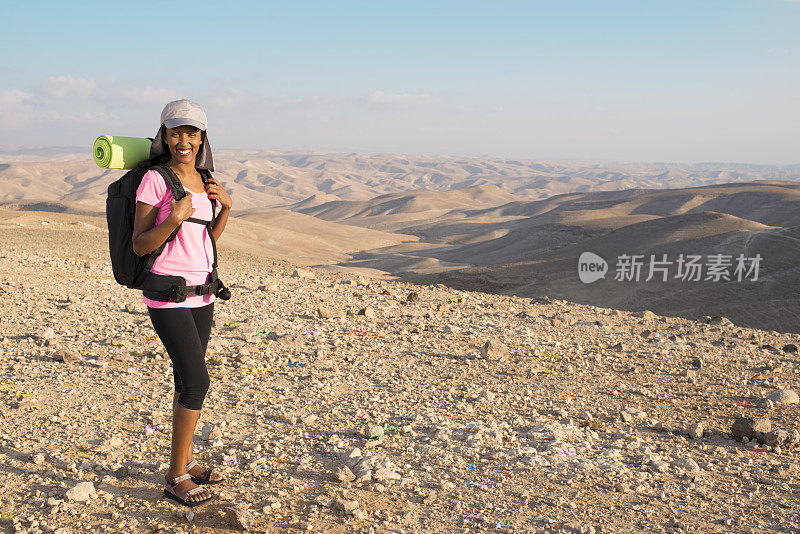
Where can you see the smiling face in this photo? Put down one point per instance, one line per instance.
(184, 143)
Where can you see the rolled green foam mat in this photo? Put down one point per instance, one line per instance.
(115, 152)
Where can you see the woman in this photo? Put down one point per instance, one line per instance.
(183, 327)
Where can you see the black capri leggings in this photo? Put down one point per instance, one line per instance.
(184, 333)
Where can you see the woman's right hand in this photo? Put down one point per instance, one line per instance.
(182, 209)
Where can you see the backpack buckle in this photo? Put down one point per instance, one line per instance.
(222, 292)
(176, 295)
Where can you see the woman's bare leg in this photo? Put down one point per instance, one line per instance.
(184, 422)
(196, 470)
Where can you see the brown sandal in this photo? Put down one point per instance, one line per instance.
(169, 492)
(205, 478)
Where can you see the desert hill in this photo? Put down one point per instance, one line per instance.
(303, 239)
(559, 413)
(260, 179)
(532, 248)
(342, 403)
(516, 227)
(397, 211)
(416, 201)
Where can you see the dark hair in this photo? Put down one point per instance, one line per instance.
(166, 155)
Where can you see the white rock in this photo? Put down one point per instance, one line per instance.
(82, 491)
(324, 501)
(557, 431)
(344, 474)
(239, 517)
(303, 273)
(385, 475)
(373, 431)
(115, 442)
(345, 505)
(696, 430)
(47, 333)
(494, 350)
(308, 418)
(328, 313)
(351, 456)
(783, 396)
(686, 464)
(210, 432)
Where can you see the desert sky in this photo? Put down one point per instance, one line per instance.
(622, 80)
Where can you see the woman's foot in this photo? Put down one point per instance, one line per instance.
(200, 473)
(187, 485)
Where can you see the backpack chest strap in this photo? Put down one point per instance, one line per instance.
(209, 227)
(198, 221)
(178, 191)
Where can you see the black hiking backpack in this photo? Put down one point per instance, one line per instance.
(133, 271)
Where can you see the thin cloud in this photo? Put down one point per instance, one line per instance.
(227, 98)
(149, 95)
(380, 97)
(97, 117)
(284, 102)
(13, 98)
(18, 108)
(65, 86)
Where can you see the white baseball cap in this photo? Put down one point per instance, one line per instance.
(185, 113)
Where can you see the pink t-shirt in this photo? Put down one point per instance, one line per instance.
(190, 254)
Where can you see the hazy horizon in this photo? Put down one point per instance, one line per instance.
(679, 82)
(20, 150)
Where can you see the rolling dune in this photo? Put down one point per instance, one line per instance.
(509, 226)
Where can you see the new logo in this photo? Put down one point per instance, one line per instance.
(591, 267)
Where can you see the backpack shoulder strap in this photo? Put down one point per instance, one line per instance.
(173, 182)
(178, 192)
(206, 174)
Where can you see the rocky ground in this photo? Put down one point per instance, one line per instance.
(340, 404)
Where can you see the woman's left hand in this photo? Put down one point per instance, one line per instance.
(218, 193)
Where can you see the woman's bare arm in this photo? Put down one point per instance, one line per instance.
(146, 238)
(218, 193)
(219, 223)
